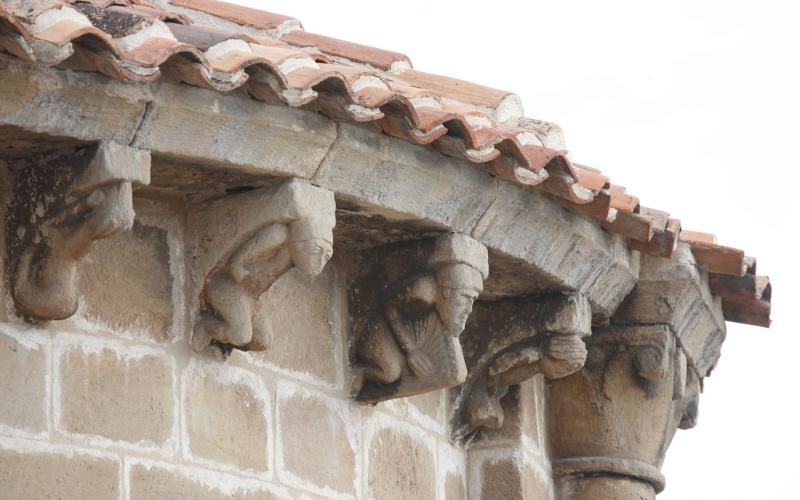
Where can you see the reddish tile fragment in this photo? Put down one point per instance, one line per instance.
(454, 88)
(361, 54)
(238, 14)
(715, 258)
(745, 299)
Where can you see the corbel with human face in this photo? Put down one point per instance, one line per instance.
(245, 242)
(420, 296)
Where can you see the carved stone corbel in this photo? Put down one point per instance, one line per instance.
(242, 244)
(512, 340)
(611, 423)
(412, 301)
(61, 206)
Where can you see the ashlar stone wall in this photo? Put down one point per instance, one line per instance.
(113, 403)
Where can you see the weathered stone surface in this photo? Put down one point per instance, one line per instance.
(618, 414)
(188, 123)
(151, 482)
(618, 488)
(126, 283)
(241, 244)
(411, 301)
(454, 487)
(305, 420)
(227, 416)
(59, 103)
(512, 340)
(306, 317)
(402, 181)
(451, 472)
(401, 465)
(24, 367)
(61, 206)
(63, 476)
(118, 393)
(510, 479)
(570, 251)
(524, 413)
(673, 292)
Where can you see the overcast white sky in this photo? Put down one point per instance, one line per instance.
(692, 105)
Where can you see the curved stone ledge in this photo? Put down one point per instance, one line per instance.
(195, 134)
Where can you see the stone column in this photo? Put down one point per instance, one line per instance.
(610, 423)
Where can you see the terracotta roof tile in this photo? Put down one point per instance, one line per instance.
(134, 41)
(361, 54)
(238, 14)
(715, 258)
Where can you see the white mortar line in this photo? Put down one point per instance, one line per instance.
(64, 342)
(340, 407)
(227, 375)
(223, 482)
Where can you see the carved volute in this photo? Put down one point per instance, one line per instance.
(411, 302)
(61, 206)
(241, 245)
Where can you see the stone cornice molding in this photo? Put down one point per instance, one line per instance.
(509, 341)
(61, 206)
(411, 302)
(241, 244)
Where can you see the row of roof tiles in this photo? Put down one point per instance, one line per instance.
(276, 61)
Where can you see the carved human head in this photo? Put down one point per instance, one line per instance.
(311, 214)
(311, 244)
(461, 265)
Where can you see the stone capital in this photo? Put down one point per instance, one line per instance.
(62, 204)
(611, 423)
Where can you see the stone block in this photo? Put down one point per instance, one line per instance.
(115, 392)
(126, 283)
(454, 487)
(318, 442)
(33, 473)
(152, 482)
(452, 472)
(506, 474)
(24, 363)
(80, 105)
(405, 182)
(523, 407)
(227, 416)
(186, 123)
(305, 316)
(424, 410)
(401, 464)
